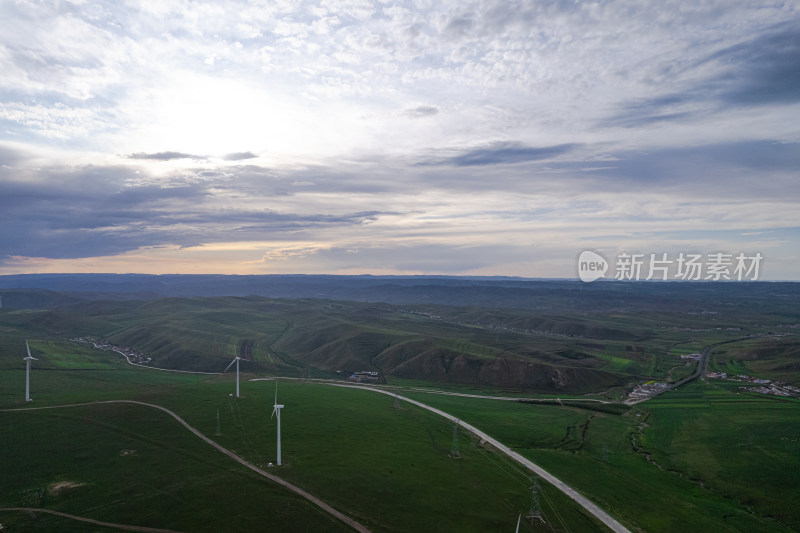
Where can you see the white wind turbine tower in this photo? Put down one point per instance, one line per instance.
(277, 409)
(28, 374)
(235, 360)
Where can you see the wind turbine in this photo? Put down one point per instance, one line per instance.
(28, 374)
(277, 409)
(235, 360)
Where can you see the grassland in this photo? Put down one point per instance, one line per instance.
(388, 468)
(130, 465)
(667, 465)
(707, 457)
(741, 445)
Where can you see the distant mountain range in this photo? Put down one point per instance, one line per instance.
(550, 295)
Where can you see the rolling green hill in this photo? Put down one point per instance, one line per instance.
(322, 338)
(521, 350)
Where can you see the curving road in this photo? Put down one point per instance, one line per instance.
(584, 502)
(297, 490)
(559, 401)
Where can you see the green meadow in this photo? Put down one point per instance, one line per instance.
(702, 458)
(706, 457)
(389, 467)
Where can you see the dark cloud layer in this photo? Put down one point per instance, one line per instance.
(503, 153)
(756, 170)
(762, 71)
(98, 211)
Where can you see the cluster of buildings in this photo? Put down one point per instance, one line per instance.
(776, 390)
(366, 376)
(695, 356)
(131, 355)
(765, 386)
(645, 390)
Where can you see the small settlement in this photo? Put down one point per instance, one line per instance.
(764, 386)
(646, 390)
(366, 376)
(131, 355)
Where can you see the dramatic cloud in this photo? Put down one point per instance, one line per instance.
(758, 72)
(491, 137)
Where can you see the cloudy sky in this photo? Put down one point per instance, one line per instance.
(421, 137)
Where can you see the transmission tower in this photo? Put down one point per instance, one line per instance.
(218, 432)
(454, 451)
(535, 510)
(396, 402)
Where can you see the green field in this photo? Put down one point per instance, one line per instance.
(707, 457)
(388, 468)
(593, 451)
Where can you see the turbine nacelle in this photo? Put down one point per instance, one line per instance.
(235, 360)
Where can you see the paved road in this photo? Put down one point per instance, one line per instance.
(601, 515)
(297, 490)
(559, 401)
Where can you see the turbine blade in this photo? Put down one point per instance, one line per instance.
(230, 365)
(275, 410)
(276, 391)
(518, 519)
(27, 347)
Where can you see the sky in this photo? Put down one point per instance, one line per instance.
(486, 138)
